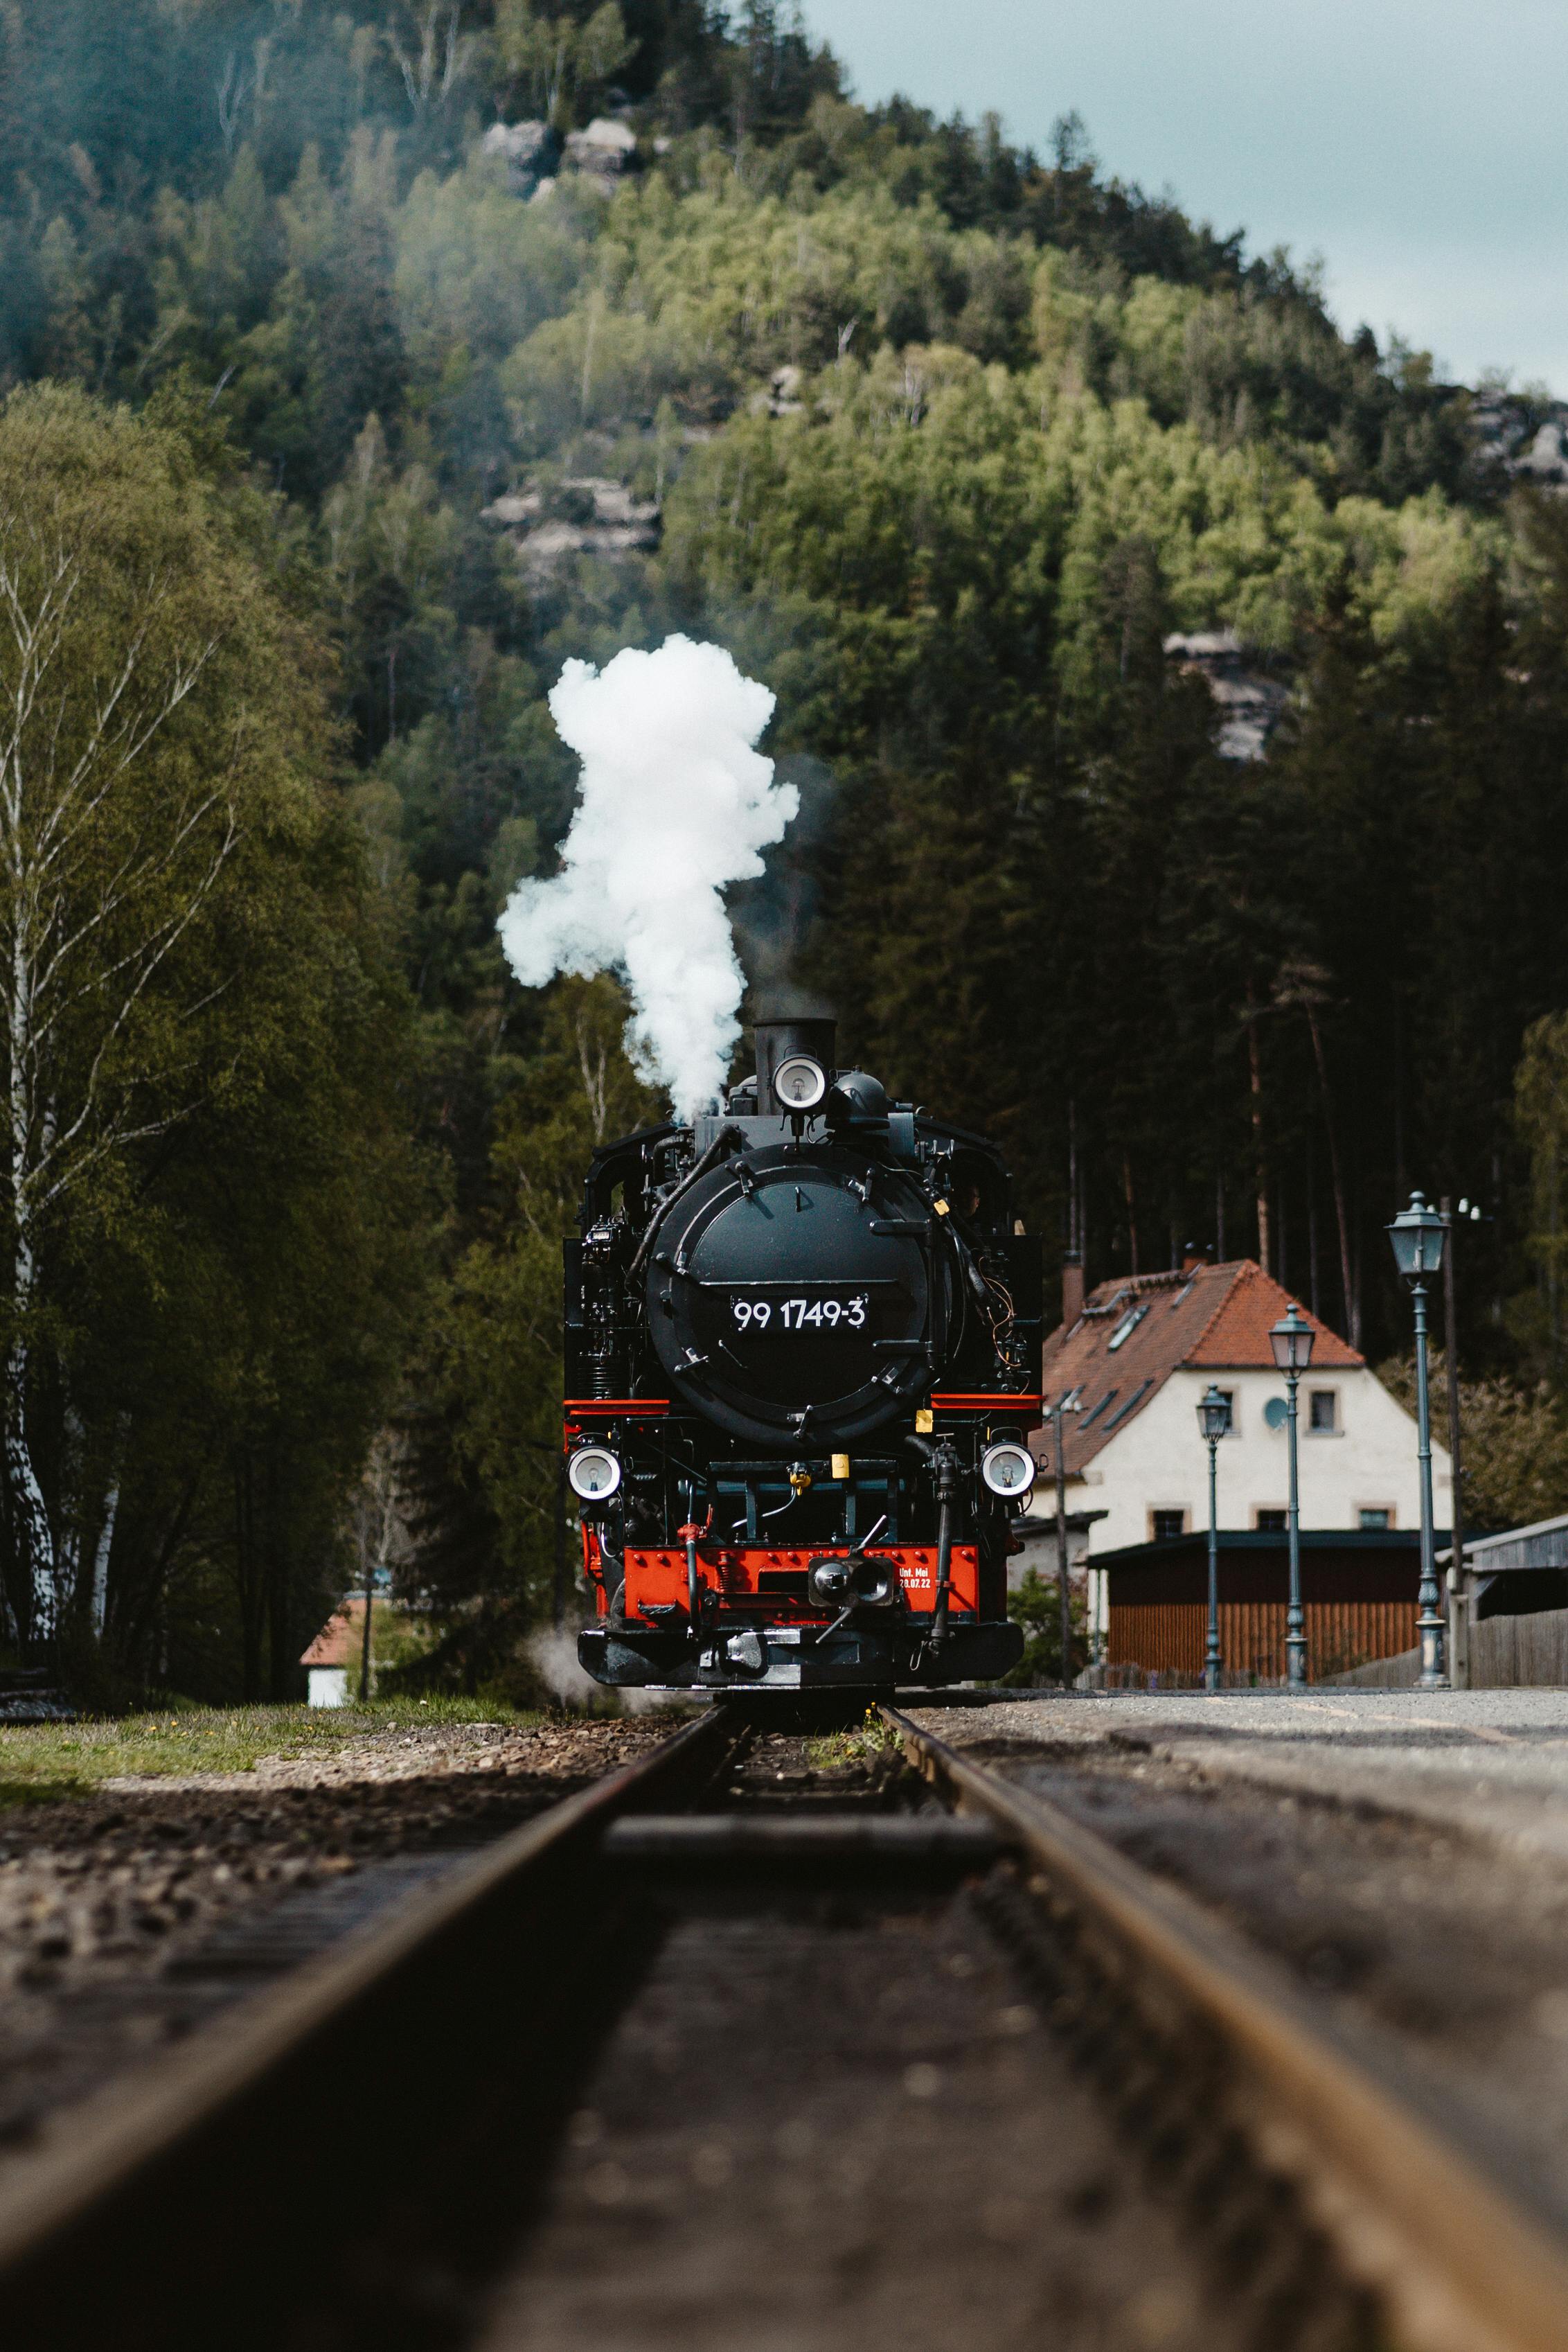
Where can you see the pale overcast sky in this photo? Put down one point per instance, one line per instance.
(1419, 148)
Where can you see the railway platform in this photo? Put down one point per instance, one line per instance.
(1492, 1764)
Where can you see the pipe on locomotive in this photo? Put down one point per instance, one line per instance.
(725, 1140)
(943, 1460)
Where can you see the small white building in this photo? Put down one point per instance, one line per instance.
(1134, 1361)
(335, 1653)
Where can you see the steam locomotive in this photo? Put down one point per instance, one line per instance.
(802, 1350)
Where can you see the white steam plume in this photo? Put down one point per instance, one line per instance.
(674, 802)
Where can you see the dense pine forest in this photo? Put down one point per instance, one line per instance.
(1177, 691)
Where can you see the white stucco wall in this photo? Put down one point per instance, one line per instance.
(1040, 1552)
(1157, 1461)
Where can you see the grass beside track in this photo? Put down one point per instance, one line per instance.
(857, 1746)
(41, 1761)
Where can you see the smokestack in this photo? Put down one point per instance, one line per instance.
(776, 1040)
(674, 803)
(1071, 1288)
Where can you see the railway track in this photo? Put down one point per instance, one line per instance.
(1236, 2082)
(724, 2049)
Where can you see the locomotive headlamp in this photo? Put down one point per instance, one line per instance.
(593, 1474)
(800, 1083)
(1007, 1470)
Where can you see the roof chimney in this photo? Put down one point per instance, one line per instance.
(1192, 1257)
(1072, 1287)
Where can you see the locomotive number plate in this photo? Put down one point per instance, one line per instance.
(799, 1314)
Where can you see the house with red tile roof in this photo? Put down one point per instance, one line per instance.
(1132, 1365)
(332, 1660)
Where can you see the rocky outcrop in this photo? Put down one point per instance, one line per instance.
(534, 155)
(1250, 701)
(586, 515)
(528, 150)
(1525, 439)
(603, 150)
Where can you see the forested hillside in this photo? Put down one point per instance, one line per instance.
(946, 442)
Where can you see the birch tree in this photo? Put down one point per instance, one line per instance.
(382, 1543)
(556, 58)
(137, 754)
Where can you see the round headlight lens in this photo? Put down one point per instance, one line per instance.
(800, 1083)
(593, 1474)
(1007, 1470)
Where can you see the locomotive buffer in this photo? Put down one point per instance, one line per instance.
(802, 1348)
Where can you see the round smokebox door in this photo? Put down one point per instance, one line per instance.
(789, 1304)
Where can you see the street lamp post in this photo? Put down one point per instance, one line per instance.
(1291, 1340)
(1063, 1583)
(1418, 1235)
(1214, 1420)
(1458, 1652)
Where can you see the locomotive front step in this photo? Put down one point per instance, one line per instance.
(793, 1658)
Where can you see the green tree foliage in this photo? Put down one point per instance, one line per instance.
(1513, 1442)
(1541, 1109)
(208, 1179)
(1037, 1607)
(500, 1376)
(555, 61)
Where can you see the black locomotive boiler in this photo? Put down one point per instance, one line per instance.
(802, 1350)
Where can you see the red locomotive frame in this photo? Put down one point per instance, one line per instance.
(656, 1574)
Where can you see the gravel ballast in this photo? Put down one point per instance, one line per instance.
(1406, 1862)
(129, 1915)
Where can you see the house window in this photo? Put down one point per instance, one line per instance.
(1375, 1516)
(1126, 1329)
(1163, 1525)
(1123, 1409)
(1271, 1522)
(1325, 1411)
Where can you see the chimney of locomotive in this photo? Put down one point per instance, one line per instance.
(776, 1041)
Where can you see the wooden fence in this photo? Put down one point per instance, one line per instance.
(1506, 1654)
(1168, 1638)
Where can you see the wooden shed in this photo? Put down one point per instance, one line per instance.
(1359, 1593)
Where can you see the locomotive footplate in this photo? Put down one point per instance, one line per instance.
(797, 1657)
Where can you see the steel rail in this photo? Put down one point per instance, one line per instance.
(1451, 2247)
(165, 2196)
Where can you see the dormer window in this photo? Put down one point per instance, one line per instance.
(1126, 1329)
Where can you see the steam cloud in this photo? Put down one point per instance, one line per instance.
(674, 804)
(554, 1658)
